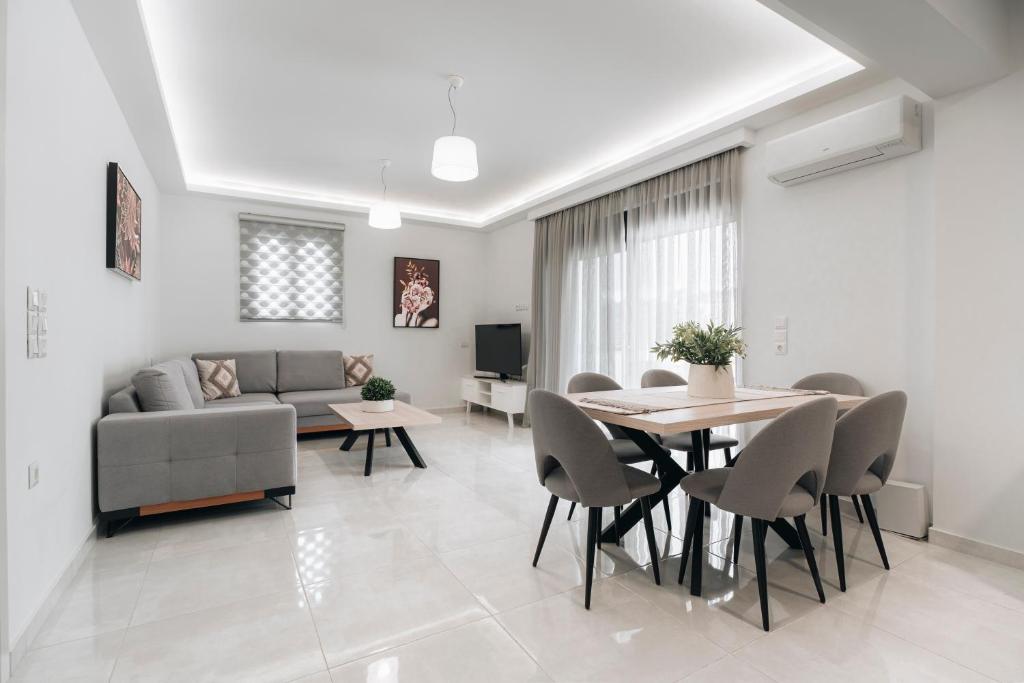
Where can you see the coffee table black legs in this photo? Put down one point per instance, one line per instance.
(410, 447)
(350, 440)
(369, 454)
(403, 437)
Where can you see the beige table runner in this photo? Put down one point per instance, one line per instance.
(645, 402)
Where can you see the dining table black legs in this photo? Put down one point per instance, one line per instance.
(669, 472)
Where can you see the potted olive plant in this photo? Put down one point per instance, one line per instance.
(378, 396)
(709, 351)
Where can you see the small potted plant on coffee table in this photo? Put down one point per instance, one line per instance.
(709, 351)
(378, 395)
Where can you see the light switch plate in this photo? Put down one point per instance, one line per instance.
(522, 307)
(33, 475)
(781, 322)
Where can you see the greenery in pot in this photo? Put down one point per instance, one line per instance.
(711, 345)
(378, 389)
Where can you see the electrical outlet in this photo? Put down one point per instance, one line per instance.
(781, 348)
(33, 475)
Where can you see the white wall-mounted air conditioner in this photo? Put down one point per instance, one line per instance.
(878, 132)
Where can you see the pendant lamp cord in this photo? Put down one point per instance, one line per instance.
(384, 182)
(452, 106)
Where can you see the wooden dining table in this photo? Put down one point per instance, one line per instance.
(662, 411)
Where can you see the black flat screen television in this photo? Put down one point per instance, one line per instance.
(499, 349)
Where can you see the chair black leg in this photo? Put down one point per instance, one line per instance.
(758, 527)
(593, 533)
(654, 468)
(697, 558)
(869, 510)
(552, 504)
(737, 534)
(728, 457)
(689, 461)
(617, 511)
(691, 520)
(805, 542)
(837, 540)
(823, 505)
(387, 437)
(856, 508)
(600, 514)
(572, 509)
(652, 544)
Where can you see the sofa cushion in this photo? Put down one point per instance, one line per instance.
(192, 383)
(257, 370)
(358, 369)
(162, 387)
(309, 403)
(244, 399)
(218, 378)
(310, 370)
(124, 401)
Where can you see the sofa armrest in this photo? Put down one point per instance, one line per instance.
(179, 455)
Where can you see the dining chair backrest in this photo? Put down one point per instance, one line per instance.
(584, 382)
(866, 439)
(661, 378)
(564, 436)
(832, 382)
(793, 449)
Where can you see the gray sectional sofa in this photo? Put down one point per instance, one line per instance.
(182, 451)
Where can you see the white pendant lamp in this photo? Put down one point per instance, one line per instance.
(454, 156)
(384, 215)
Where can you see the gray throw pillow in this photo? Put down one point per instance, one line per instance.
(162, 388)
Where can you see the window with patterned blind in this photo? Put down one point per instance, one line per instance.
(291, 269)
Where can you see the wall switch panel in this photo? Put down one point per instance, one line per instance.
(522, 307)
(781, 322)
(35, 323)
(33, 475)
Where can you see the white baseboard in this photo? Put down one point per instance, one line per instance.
(969, 546)
(24, 641)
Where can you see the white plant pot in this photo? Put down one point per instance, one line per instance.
(707, 381)
(378, 406)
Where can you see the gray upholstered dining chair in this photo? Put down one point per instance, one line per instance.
(625, 448)
(781, 474)
(863, 453)
(575, 462)
(684, 442)
(833, 383)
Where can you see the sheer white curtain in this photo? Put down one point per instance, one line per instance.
(614, 275)
(682, 256)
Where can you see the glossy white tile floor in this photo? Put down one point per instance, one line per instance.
(424, 575)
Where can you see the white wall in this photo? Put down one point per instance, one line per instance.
(847, 259)
(199, 297)
(63, 126)
(509, 277)
(979, 366)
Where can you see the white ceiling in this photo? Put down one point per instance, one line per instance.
(298, 100)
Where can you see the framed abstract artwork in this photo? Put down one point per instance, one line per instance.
(417, 292)
(124, 225)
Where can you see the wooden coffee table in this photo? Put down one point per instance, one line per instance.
(404, 415)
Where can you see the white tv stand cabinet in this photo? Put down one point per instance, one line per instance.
(509, 397)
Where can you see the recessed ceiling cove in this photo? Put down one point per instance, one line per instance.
(299, 100)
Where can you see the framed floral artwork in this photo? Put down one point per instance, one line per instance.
(124, 225)
(417, 292)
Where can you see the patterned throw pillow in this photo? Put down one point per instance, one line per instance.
(358, 369)
(218, 378)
